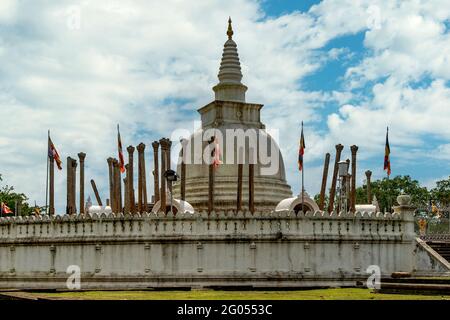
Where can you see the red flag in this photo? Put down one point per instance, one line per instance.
(53, 153)
(119, 144)
(387, 152)
(5, 209)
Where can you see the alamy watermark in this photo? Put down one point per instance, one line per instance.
(234, 145)
(73, 282)
(374, 280)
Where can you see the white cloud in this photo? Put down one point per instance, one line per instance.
(129, 60)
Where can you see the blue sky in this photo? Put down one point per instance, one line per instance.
(346, 69)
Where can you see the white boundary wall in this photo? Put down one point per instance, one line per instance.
(196, 250)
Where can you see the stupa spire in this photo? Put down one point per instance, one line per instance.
(230, 29)
(230, 87)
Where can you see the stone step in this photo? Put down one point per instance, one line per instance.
(425, 280)
(414, 288)
(441, 247)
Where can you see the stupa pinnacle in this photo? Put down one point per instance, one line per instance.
(230, 87)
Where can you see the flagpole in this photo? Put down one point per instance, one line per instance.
(46, 182)
(303, 170)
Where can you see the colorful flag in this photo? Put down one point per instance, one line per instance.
(215, 153)
(301, 151)
(5, 209)
(53, 154)
(387, 152)
(119, 143)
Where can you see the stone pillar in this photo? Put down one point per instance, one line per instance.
(155, 145)
(348, 187)
(164, 147)
(239, 187)
(251, 188)
(69, 186)
(127, 195)
(74, 185)
(119, 187)
(369, 190)
(82, 157)
(339, 148)
(168, 156)
(117, 195)
(211, 189)
(97, 196)
(130, 180)
(51, 207)
(354, 149)
(142, 184)
(111, 183)
(168, 162)
(183, 169)
(324, 181)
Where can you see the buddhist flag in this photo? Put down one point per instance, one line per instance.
(119, 144)
(387, 152)
(301, 151)
(5, 209)
(53, 153)
(215, 153)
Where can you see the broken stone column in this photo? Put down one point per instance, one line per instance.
(251, 188)
(155, 145)
(324, 181)
(127, 195)
(211, 189)
(82, 157)
(126, 206)
(183, 169)
(369, 190)
(239, 187)
(97, 195)
(130, 180)
(74, 185)
(348, 187)
(353, 149)
(142, 188)
(117, 187)
(111, 183)
(168, 162)
(69, 186)
(339, 148)
(251, 182)
(164, 148)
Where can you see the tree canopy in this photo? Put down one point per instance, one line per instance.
(386, 191)
(12, 198)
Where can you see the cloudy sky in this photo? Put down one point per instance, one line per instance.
(347, 69)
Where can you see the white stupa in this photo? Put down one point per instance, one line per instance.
(229, 110)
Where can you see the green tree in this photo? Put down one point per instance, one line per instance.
(440, 195)
(11, 198)
(387, 190)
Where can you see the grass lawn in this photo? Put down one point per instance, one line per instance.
(319, 294)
